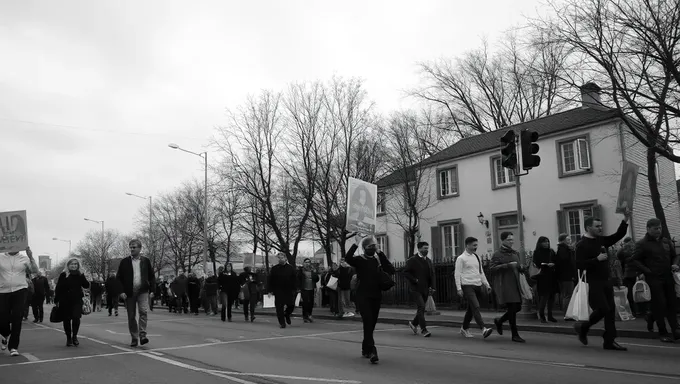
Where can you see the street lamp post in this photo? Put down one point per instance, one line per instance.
(69, 248)
(204, 155)
(151, 241)
(103, 245)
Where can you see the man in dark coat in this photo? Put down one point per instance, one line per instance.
(283, 285)
(40, 288)
(420, 274)
(113, 291)
(135, 274)
(180, 286)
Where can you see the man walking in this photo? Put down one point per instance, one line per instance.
(307, 279)
(420, 274)
(113, 291)
(470, 280)
(591, 257)
(40, 288)
(655, 256)
(282, 284)
(135, 274)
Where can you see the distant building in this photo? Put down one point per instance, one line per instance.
(45, 263)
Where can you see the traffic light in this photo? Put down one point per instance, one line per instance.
(509, 150)
(529, 147)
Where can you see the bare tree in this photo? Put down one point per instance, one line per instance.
(633, 47)
(175, 217)
(97, 249)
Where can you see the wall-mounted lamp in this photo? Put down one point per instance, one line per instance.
(483, 221)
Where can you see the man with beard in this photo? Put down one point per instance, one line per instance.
(282, 284)
(420, 274)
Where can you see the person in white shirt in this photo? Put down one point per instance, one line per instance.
(13, 291)
(470, 280)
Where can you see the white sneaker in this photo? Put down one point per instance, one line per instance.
(486, 332)
(13, 352)
(465, 333)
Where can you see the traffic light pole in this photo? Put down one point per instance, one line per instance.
(526, 312)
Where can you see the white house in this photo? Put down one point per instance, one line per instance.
(581, 152)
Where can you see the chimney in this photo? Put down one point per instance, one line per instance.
(590, 96)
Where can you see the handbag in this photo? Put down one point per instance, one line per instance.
(87, 308)
(641, 292)
(55, 315)
(385, 280)
(524, 288)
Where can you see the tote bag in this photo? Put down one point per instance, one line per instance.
(524, 288)
(641, 292)
(332, 283)
(578, 306)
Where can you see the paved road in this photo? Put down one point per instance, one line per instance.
(186, 349)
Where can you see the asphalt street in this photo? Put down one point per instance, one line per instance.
(190, 349)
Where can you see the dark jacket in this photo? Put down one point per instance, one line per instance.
(368, 272)
(180, 285)
(565, 265)
(505, 281)
(420, 274)
(41, 286)
(194, 287)
(625, 256)
(282, 280)
(95, 288)
(126, 277)
(229, 283)
(252, 280)
(587, 251)
(211, 285)
(69, 290)
(301, 278)
(113, 286)
(655, 257)
(345, 278)
(546, 281)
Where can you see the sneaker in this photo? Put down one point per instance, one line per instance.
(134, 343)
(13, 352)
(413, 328)
(426, 333)
(466, 333)
(486, 332)
(143, 340)
(3, 344)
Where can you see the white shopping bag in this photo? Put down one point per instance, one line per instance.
(332, 283)
(268, 301)
(676, 277)
(578, 306)
(297, 299)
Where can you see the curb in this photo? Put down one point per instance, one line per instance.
(626, 333)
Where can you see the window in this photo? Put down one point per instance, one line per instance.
(574, 156)
(382, 243)
(451, 240)
(381, 203)
(502, 177)
(572, 218)
(448, 182)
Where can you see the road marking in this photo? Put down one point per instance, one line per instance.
(30, 357)
(650, 346)
(119, 348)
(196, 369)
(95, 340)
(156, 353)
(213, 340)
(126, 333)
(271, 376)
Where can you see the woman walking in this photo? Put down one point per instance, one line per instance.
(68, 297)
(228, 282)
(369, 268)
(546, 280)
(506, 268)
(13, 291)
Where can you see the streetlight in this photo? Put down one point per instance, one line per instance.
(69, 248)
(103, 245)
(150, 215)
(204, 155)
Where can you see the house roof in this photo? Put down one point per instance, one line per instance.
(558, 122)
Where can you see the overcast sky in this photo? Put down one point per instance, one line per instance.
(91, 92)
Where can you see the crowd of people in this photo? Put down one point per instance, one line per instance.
(360, 280)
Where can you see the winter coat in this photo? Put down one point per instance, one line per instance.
(180, 285)
(506, 277)
(565, 265)
(547, 279)
(229, 283)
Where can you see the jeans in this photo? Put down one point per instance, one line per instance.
(419, 319)
(472, 293)
(370, 309)
(566, 291)
(663, 304)
(307, 303)
(511, 316)
(601, 300)
(227, 302)
(38, 302)
(345, 302)
(134, 303)
(11, 312)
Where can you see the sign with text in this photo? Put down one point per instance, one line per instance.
(362, 203)
(13, 231)
(629, 174)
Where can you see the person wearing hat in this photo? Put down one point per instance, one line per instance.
(369, 267)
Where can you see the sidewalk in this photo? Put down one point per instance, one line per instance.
(450, 318)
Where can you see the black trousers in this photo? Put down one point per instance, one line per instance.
(663, 304)
(194, 303)
(11, 312)
(285, 305)
(419, 320)
(369, 308)
(307, 303)
(601, 300)
(112, 302)
(38, 302)
(227, 302)
(511, 316)
(333, 301)
(249, 306)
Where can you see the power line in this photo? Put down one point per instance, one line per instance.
(73, 127)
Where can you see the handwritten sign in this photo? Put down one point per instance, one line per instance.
(629, 175)
(13, 231)
(362, 203)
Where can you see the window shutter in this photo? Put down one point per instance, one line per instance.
(440, 184)
(436, 243)
(458, 249)
(583, 154)
(561, 222)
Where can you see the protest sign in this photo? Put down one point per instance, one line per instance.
(626, 198)
(362, 202)
(13, 231)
